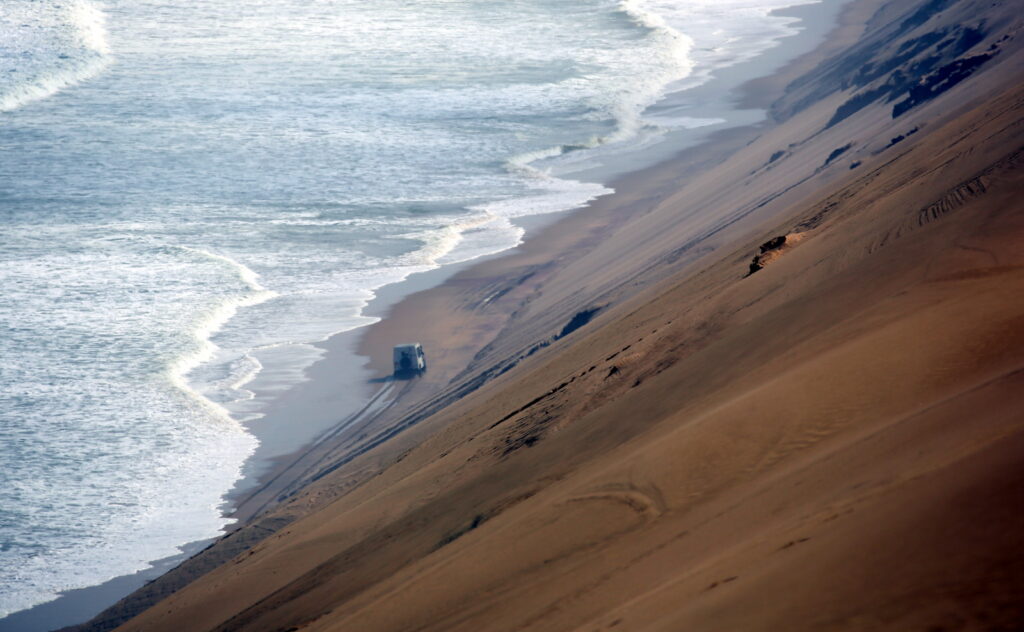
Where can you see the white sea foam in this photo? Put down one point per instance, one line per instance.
(90, 26)
(726, 32)
(211, 323)
(251, 368)
(105, 466)
(65, 44)
(676, 63)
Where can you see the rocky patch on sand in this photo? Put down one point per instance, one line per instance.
(772, 250)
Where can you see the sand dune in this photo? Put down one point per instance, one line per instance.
(835, 442)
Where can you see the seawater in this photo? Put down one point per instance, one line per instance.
(186, 186)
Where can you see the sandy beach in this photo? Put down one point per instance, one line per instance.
(773, 382)
(363, 356)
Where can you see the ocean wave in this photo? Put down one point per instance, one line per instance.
(89, 502)
(625, 104)
(211, 323)
(726, 32)
(75, 48)
(489, 229)
(675, 62)
(553, 195)
(736, 31)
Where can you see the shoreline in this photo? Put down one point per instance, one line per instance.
(360, 352)
(357, 357)
(318, 402)
(766, 430)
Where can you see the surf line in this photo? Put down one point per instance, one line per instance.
(213, 322)
(88, 23)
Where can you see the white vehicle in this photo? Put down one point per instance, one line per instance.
(409, 360)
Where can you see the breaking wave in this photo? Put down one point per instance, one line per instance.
(49, 48)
